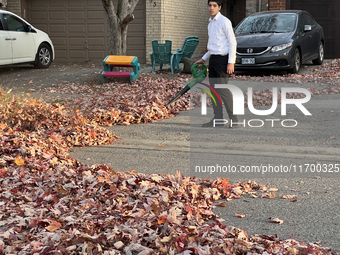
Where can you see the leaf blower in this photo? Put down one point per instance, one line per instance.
(199, 71)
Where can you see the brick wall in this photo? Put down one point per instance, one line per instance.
(277, 5)
(153, 24)
(14, 6)
(175, 20)
(186, 18)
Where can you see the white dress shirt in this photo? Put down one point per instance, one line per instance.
(222, 39)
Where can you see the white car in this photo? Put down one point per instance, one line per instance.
(21, 43)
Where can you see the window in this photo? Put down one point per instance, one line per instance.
(302, 23)
(309, 20)
(267, 23)
(14, 23)
(306, 19)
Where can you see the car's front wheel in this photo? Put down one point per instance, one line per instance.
(321, 54)
(43, 58)
(297, 62)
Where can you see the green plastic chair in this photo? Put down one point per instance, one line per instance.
(187, 50)
(185, 40)
(161, 54)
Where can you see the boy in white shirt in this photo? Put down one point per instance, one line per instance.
(221, 55)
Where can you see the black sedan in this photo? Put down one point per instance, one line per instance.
(279, 40)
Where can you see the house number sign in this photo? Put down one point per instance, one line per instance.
(154, 3)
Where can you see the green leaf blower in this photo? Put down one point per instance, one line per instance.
(199, 71)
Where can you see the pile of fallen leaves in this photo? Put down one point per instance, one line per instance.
(124, 103)
(53, 204)
(327, 74)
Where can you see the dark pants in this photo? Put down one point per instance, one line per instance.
(217, 75)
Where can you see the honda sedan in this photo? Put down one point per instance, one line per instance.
(281, 40)
(21, 43)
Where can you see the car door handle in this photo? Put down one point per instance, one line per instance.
(8, 39)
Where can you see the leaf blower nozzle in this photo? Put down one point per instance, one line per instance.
(199, 72)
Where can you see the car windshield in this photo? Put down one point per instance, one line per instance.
(267, 23)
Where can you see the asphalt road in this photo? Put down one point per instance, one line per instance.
(306, 158)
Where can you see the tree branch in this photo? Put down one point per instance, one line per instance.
(127, 20)
(132, 5)
(110, 9)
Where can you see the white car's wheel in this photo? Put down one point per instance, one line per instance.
(43, 58)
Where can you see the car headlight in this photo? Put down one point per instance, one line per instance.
(281, 47)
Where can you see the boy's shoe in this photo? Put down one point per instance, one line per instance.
(211, 124)
(232, 125)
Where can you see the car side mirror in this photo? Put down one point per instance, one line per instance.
(30, 29)
(307, 28)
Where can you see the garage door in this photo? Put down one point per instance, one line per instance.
(79, 29)
(326, 13)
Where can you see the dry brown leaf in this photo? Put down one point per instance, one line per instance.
(237, 190)
(276, 220)
(221, 205)
(240, 215)
(156, 208)
(270, 195)
(19, 161)
(54, 226)
(288, 196)
(162, 219)
(166, 239)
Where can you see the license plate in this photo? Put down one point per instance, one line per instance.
(248, 61)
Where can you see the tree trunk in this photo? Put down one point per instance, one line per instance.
(118, 22)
